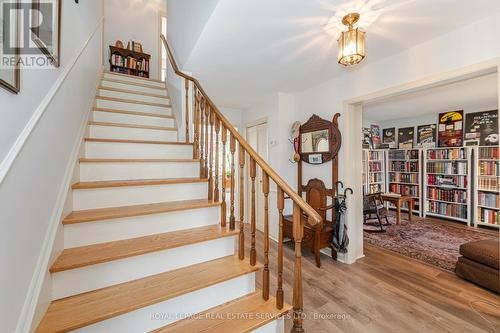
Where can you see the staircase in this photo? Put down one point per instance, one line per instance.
(145, 245)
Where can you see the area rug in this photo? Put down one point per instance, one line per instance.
(436, 243)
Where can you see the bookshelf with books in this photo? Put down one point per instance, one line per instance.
(128, 62)
(403, 174)
(487, 187)
(364, 158)
(447, 190)
(375, 171)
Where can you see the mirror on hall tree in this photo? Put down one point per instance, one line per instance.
(315, 142)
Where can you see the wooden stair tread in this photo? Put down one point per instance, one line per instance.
(139, 141)
(138, 160)
(135, 92)
(136, 182)
(133, 76)
(88, 308)
(132, 101)
(136, 210)
(130, 83)
(134, 113)
(249, 308)
(102, 123)
(104, 252)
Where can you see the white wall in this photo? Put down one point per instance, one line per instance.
(34, 182)
(137, 20)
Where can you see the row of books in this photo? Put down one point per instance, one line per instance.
(447, 181)
(446, 154)
(376, 177)
(447, 209)
(130, 62)
(488, 168)
(410, 190)
(404, 177)
(375, 188)
(403, 154)
(448, 168)
(488, 199)
(488, 216)
(403, 166)
(488, 183)
(488, 152)
(375, 166)
(376, 155)
(456, 196)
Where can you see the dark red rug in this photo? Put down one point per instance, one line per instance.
(436, 243)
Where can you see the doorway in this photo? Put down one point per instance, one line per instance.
(257, 138)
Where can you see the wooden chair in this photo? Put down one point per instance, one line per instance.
(319, 236)
(374, 205)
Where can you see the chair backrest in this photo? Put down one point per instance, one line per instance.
(316, 196)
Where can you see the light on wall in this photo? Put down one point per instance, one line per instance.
(351, 42)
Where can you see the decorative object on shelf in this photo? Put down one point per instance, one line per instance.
(46, 28)
(367, 138)
(137, 47)
(405, 137)
(129, 62)
(375, 130)
(426, 136)
(10, 76)
(351, 42)
(450, 129)
(119, 44)
(389, 137)
(481, 128)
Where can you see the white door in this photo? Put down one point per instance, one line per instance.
(257, 138)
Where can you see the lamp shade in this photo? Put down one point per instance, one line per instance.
(351, 47)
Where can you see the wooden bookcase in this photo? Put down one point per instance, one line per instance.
(447, 178)
(129, 62)
(404, 175)
(487, 187)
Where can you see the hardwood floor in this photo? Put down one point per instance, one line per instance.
(383, 292)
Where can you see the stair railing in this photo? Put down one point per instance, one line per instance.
(210, 127)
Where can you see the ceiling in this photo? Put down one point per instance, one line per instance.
(474, 94)
(249, 49)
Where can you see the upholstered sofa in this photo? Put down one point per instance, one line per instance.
(480, 263)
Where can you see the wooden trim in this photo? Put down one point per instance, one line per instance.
(140, 182)
(131, 101)
(158, 128)
(133, 77)
(92, 307)
(139, 141)
(314, 217)
(138, 160)
(134, 113)
(135, 92)
(92, 215)
(134, 84)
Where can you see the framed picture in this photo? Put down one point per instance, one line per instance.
(315, 159)
(46, 31)
(481, 128)
(389, 137)
(10, 49)
(450, 129)
(405, 137)
(375, 129)
(426, 136)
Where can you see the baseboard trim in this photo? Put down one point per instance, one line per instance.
(18, 145)
(31, 303)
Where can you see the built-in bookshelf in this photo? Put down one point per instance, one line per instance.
(375, 174)
(447, 192)
(487, 187)
(403, 174)
(128, 62)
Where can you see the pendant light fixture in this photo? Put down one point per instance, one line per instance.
(351, 42)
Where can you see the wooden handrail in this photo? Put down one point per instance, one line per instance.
(313, 217)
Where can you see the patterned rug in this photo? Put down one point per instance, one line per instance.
(436, 243)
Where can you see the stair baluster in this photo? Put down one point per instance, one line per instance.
(207, 147)
(298, 303)
(202, 137)
(279, 291)
(187, 109)
(196, 148)
(217, 159)
(253, 252)
(223, 206)
(211, 158)
(265, 272)
(241, 248)
(232, 148)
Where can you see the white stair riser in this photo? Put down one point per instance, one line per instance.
(121, 118)
(276, 326)
(133, 79)
(133, 87)
(92, 277)
(137, 195)
(132, 96)
(136, 150)
(117, 105)
(167, 312)
(127, 133)
(137, 170)
(96, 232)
